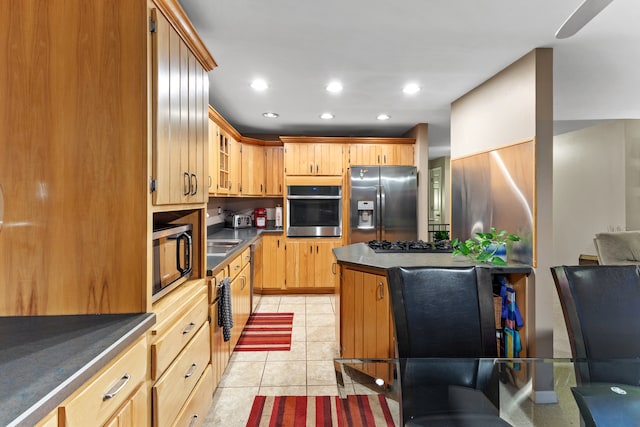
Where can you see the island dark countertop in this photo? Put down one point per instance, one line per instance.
(361, 255)
(44, 359)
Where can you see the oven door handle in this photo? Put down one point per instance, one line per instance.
(290, 197)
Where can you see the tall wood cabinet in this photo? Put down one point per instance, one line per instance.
(180, 117)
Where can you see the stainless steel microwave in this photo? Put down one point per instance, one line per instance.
(314, 210)
(172, 257)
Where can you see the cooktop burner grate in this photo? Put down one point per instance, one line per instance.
(410, 246)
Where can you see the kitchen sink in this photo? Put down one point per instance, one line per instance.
(221, 246)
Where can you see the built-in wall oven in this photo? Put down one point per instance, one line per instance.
(314, 210)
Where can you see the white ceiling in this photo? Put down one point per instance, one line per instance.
(375, 47)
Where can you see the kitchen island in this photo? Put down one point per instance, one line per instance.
(365, 323)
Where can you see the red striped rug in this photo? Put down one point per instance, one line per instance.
(266, 332)
(326, 411)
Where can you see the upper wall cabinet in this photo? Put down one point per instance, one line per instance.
(381, 154)
(214, 133)
(180, 118)
(253, 182)
(308, 158)
(273, 165)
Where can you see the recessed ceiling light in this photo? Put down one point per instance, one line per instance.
(383, 117)
(326, 116)
(334, 87)
(270, 115)
(259, 84)
(411, 88)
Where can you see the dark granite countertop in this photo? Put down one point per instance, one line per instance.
(44, 359)
(361, 255)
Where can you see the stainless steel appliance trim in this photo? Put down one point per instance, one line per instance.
(170, 230)
(314, 197)
(320, 231)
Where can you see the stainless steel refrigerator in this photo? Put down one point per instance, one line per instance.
(383, 203)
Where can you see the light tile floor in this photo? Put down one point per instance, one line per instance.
(308, 369)
(305, 370)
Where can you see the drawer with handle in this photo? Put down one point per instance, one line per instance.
(168, 345)
(195, 410)
(101, 397)
(174, 386)
(235, 266)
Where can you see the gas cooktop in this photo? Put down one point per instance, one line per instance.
(410, 246)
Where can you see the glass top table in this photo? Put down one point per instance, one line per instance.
(528, 392)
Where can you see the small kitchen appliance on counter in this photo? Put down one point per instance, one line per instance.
(238, 221)
(260, 215)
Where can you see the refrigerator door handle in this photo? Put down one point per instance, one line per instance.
(383, 231)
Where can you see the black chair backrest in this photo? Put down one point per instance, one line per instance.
(443, 312)
(601, 305)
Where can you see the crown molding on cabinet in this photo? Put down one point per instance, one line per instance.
(346, 140)
(179, 20)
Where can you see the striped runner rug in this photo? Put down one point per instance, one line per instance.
(326, 411)
(266, 332)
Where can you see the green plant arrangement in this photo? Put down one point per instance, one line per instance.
(441, 235)
(485, 246)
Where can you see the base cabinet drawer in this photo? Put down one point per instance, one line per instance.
(174, 386)
(195, 410)
(169, 345)
(105, 394)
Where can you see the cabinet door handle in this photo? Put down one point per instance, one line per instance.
(278, 243)
(381, 290)
(333, 268)
(210, 181)
(186, 182)
(191, 371)
(117, 387)
(378, 158)
(194, 184)
(317, 168)
(317, 249)
(310, 249)
(280, 187)
(236, 267)
(385, 159)
(310, 168)
(261, 188)
(188, 328)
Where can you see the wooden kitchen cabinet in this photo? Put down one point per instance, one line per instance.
(235, 166)
(274, 170)
(273, 261)
(306, 158)
(240, 275)
(310, 263)
(366, 323)
(381, 154)
(133, 413)
(220, 349)
(171, 391)
(180, 112)
(253, 175)
(123, 379)
(214, 132)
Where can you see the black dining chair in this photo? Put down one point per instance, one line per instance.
(440, 314)
(600, 304)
